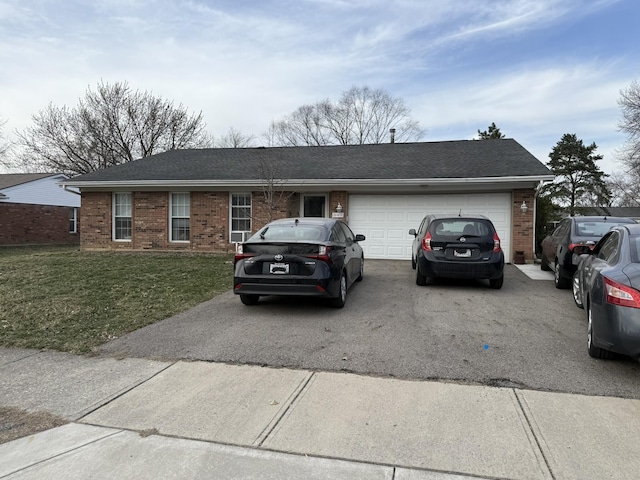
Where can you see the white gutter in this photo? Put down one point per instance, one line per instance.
(307, 182)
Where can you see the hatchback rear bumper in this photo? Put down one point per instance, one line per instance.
(481, 270)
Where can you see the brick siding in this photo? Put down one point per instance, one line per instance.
(24, 224)
(522, 236)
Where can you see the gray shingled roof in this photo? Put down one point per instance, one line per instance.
(12, 179)
(452, 159)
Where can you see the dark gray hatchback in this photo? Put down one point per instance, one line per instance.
(457, 247)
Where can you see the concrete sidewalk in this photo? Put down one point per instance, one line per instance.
(137, 418)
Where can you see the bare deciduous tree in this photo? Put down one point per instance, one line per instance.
(273, 188)
(109, 126)
(235, 139)
(625, 189)
(629, 103)
(4, 145)
(360, 116)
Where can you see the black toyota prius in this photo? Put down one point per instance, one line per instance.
(317, 257)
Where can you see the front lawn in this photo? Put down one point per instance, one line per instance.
(64, 299)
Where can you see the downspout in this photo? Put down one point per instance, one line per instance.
(535, 215)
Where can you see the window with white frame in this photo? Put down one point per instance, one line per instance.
(240, 206)
(180, 213)
(122, 216)
(73, 220)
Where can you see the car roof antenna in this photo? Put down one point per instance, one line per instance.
(297, 221)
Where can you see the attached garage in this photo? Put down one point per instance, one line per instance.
(386, 219)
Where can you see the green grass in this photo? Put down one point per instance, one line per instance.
(63, 299)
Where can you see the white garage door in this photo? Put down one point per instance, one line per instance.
(386, 219)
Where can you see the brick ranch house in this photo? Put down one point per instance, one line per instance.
(209, 199)
(35, 210)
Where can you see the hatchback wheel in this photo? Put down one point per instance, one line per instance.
(496, 282)
(595, 352)
(341, 299)
(420, 278)
(249, 299)
(560, 281)
(575, 285)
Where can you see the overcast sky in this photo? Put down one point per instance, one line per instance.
(537, 68)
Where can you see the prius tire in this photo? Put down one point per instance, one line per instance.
(341, 299)
(361, 273)
(249, 299)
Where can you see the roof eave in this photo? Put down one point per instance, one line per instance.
(333, 182)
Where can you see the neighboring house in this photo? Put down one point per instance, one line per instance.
(629, 212)
(35, 209)
(209, 199)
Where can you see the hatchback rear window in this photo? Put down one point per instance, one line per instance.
(457, 227)
(292, 233)
(594, 229)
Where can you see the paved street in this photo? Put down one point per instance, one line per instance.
(528, 334)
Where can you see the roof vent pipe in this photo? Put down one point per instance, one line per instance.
(392, 131)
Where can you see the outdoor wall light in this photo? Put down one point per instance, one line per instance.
(523, 207)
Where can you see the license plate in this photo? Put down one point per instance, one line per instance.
(279, 268)
(462, 253)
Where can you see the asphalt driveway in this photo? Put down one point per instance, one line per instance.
(527, 334)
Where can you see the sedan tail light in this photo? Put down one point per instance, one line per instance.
(572, 246)
(240, 255)
(496, 243)
(619, 294)
(323, 254)
(426, 242)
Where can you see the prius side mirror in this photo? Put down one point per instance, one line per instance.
(413, 232)
(360, 238)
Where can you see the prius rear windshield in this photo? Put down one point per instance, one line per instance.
(292, 233)
(457, 227)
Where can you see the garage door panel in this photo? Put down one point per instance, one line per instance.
(386, 219)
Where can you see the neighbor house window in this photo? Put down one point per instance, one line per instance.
(240, 216)
(180, 212)
(122, 216)
(73, 220)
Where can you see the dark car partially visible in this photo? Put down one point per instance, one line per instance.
(607, 285)
(457, 247)
(558, 247)
(299, 256)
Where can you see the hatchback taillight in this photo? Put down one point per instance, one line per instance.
(496, 243)
(426, 242)
(619, 294)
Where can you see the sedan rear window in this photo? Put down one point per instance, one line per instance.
(292, 233)
(460, 226)
(594, 229)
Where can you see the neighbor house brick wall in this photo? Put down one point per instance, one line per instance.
(25, 224)
(523, 224)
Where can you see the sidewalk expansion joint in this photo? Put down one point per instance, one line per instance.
(124, 392)
(284, 412)
(533, 432)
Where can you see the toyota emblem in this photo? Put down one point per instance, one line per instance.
(462, 239)
(278, 258)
